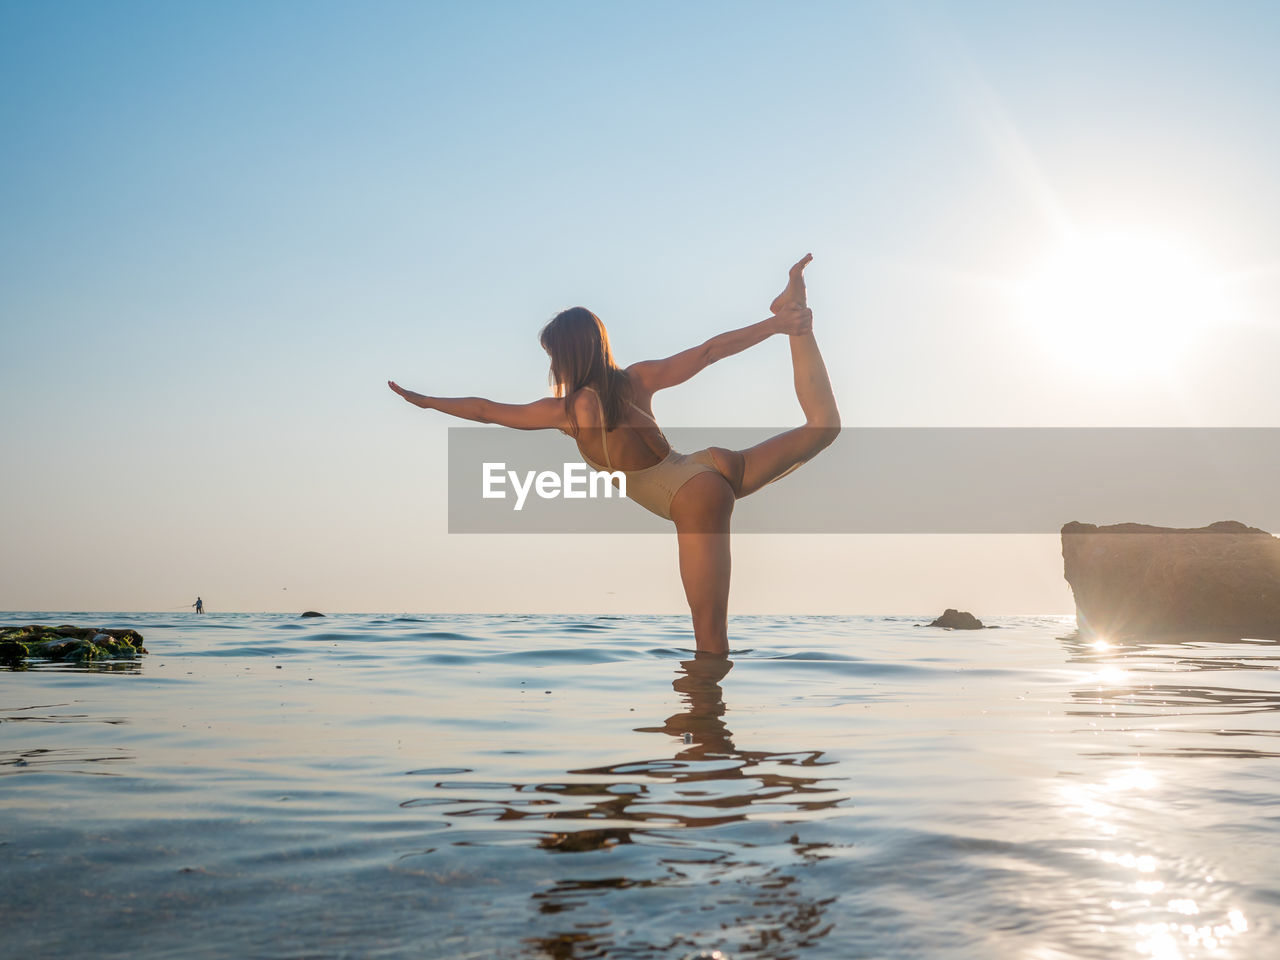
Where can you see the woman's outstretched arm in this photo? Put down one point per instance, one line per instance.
(545, 414)
(654, 375)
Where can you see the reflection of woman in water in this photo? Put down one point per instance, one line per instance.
(608, 411)
(703, 787)
(702, 722)
(715, 780)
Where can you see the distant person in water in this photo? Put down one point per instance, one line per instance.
(608, 411)
(199, 605)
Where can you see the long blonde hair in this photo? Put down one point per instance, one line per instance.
(578, 344)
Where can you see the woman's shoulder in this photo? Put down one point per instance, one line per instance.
(583, 397)
(638, 389)
(584, 405)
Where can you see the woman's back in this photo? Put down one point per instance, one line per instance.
(634, 444)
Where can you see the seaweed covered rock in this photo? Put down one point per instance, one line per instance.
(66, 643)
(953, 619)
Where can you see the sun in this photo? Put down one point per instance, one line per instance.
(1123, 301)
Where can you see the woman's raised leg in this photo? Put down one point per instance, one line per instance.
(778, 456)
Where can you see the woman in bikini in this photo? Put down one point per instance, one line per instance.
(607, 410)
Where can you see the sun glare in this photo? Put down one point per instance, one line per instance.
(1124, 302)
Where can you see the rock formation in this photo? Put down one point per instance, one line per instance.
(1130, 578)
(311, 613)
(957, 620)
(79, 644)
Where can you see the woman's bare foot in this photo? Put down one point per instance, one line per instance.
(794, 295)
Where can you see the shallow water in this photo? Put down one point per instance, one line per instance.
(570, 787)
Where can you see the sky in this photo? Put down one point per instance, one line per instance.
(224, 227)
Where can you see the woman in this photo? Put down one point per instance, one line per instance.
(608, 411)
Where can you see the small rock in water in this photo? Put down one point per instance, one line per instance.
(954, 619)
(312, 613)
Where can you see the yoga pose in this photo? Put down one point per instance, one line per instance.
(607, 410)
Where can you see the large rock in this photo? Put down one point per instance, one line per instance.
(1130, 578)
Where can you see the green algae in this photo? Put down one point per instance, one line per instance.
(66, 643)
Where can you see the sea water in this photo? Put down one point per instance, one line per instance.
(579, 787)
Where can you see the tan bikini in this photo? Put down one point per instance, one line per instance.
(654, 487)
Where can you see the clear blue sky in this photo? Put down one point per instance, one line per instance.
(225, 225)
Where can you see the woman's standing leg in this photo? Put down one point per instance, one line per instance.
(701, 511)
